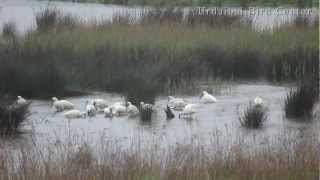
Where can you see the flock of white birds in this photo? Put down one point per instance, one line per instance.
(95, 106)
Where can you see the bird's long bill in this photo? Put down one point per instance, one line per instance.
(201, 96)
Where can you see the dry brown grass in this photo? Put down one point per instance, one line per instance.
(283, 159)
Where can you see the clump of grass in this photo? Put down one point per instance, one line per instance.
(300, 102)
(9, 31)
(12, 115)
(254, 116)
(146, 113)
(169, 113)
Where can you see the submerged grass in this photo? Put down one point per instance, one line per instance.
(119, 56)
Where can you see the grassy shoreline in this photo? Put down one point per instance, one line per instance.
(194, 160)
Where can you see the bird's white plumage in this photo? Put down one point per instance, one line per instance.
(258, 101)
(189, 110)
(118, 109)
(21, 100)
(177, 103)
(74, 114)
(61, 105)
(100, 103)
(208, 98)
(91, 109)
(132, 109)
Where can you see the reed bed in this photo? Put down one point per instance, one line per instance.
(282, 158)
(171, 55)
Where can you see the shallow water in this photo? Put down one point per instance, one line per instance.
(217, 121)
(22, 12)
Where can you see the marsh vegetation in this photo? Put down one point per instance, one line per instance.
(12, 115)
(164, 53)
(300, 102)
(254, 116)
(191, 161)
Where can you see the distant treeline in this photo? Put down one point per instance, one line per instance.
(243, 3)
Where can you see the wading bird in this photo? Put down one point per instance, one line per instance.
(72, 114)
(177, 103)
(21, 100)
(90, 108)
(258, 101)
(188, 111)
(118, 109)
(61, 105)
(100, 104)
(132, 109)
(207, 98)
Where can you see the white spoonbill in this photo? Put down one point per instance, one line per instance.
(177, 103)
(21, 100)
(100, 103)
(207, 98)
(118, 109)
(132, 109)
(72, 114)
(61, 105)
(91, 108)
(258, 101)
(189, 110)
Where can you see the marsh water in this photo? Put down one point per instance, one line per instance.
(213, 122)
(23, 12)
